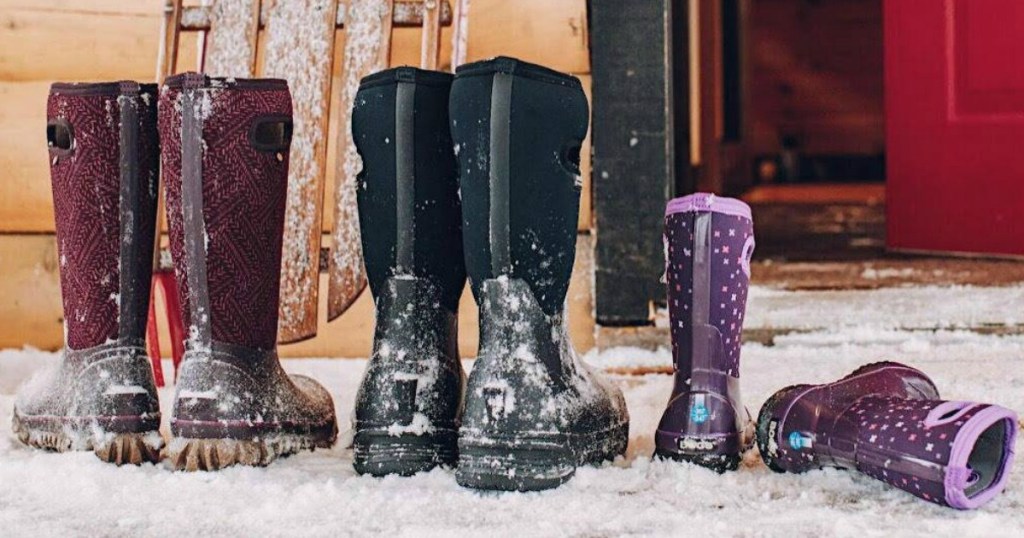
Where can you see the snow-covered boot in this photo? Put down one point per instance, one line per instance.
(708, 243)
(409, 404)
(103, 165)
(534, 411)
(225, 161)
(886, 420)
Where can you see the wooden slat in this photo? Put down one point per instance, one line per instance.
(30, 308)
(31, 312)
(367, 48)
(430, 44)
(540, 31)
(300, 38)
(632, 169)
(25, 200)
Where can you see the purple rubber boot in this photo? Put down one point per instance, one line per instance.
(708, 243)
(886, 420)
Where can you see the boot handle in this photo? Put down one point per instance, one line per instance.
(947, 412)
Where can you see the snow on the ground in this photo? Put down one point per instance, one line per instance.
(926, 307)
(906, 308)
(318, 494)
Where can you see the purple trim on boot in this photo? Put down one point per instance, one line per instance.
(958, 473)
(703, 201)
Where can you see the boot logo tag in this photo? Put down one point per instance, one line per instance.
(692, 444)
(799, 441)
(699, 413)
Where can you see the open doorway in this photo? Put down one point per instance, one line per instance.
(788, 113)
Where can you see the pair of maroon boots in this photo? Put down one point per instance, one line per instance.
(885, 419)
(222, 146)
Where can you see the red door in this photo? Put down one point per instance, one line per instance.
(954, 92)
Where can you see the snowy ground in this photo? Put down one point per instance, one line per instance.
(318, 494)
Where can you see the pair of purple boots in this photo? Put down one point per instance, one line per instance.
(885, 419)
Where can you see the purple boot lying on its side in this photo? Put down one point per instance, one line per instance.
(708, 243)
(886, 420)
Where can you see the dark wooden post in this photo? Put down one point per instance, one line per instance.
(634, 140)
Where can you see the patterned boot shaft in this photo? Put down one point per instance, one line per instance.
(103, 165)
(708, 244)
(227, 180)
(409, 405)
(887, 420)
(518, 129)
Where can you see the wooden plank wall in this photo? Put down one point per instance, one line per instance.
(42, 41)
(816, 73)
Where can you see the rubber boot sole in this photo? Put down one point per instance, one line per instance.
(212, 454)
(378, 453)
(534, 463)
(719, 463)
(63, 434)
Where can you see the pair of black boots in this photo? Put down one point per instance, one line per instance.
(476, 173)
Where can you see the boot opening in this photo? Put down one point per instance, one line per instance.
(59, 135)
(986, 461)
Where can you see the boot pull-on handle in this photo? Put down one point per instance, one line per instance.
(947, 412)
(60, 137)
(570, 159)
(272, 133)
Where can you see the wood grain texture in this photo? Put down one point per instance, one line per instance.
(552, 33)
(299, 48)
(25, 200)
(367, 48)
(30, 307)
(430, 43)
(30, 294)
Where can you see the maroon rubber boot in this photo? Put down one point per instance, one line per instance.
(103, 152)
(225, 159)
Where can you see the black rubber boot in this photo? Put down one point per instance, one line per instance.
(534, 411)
(409, 404)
